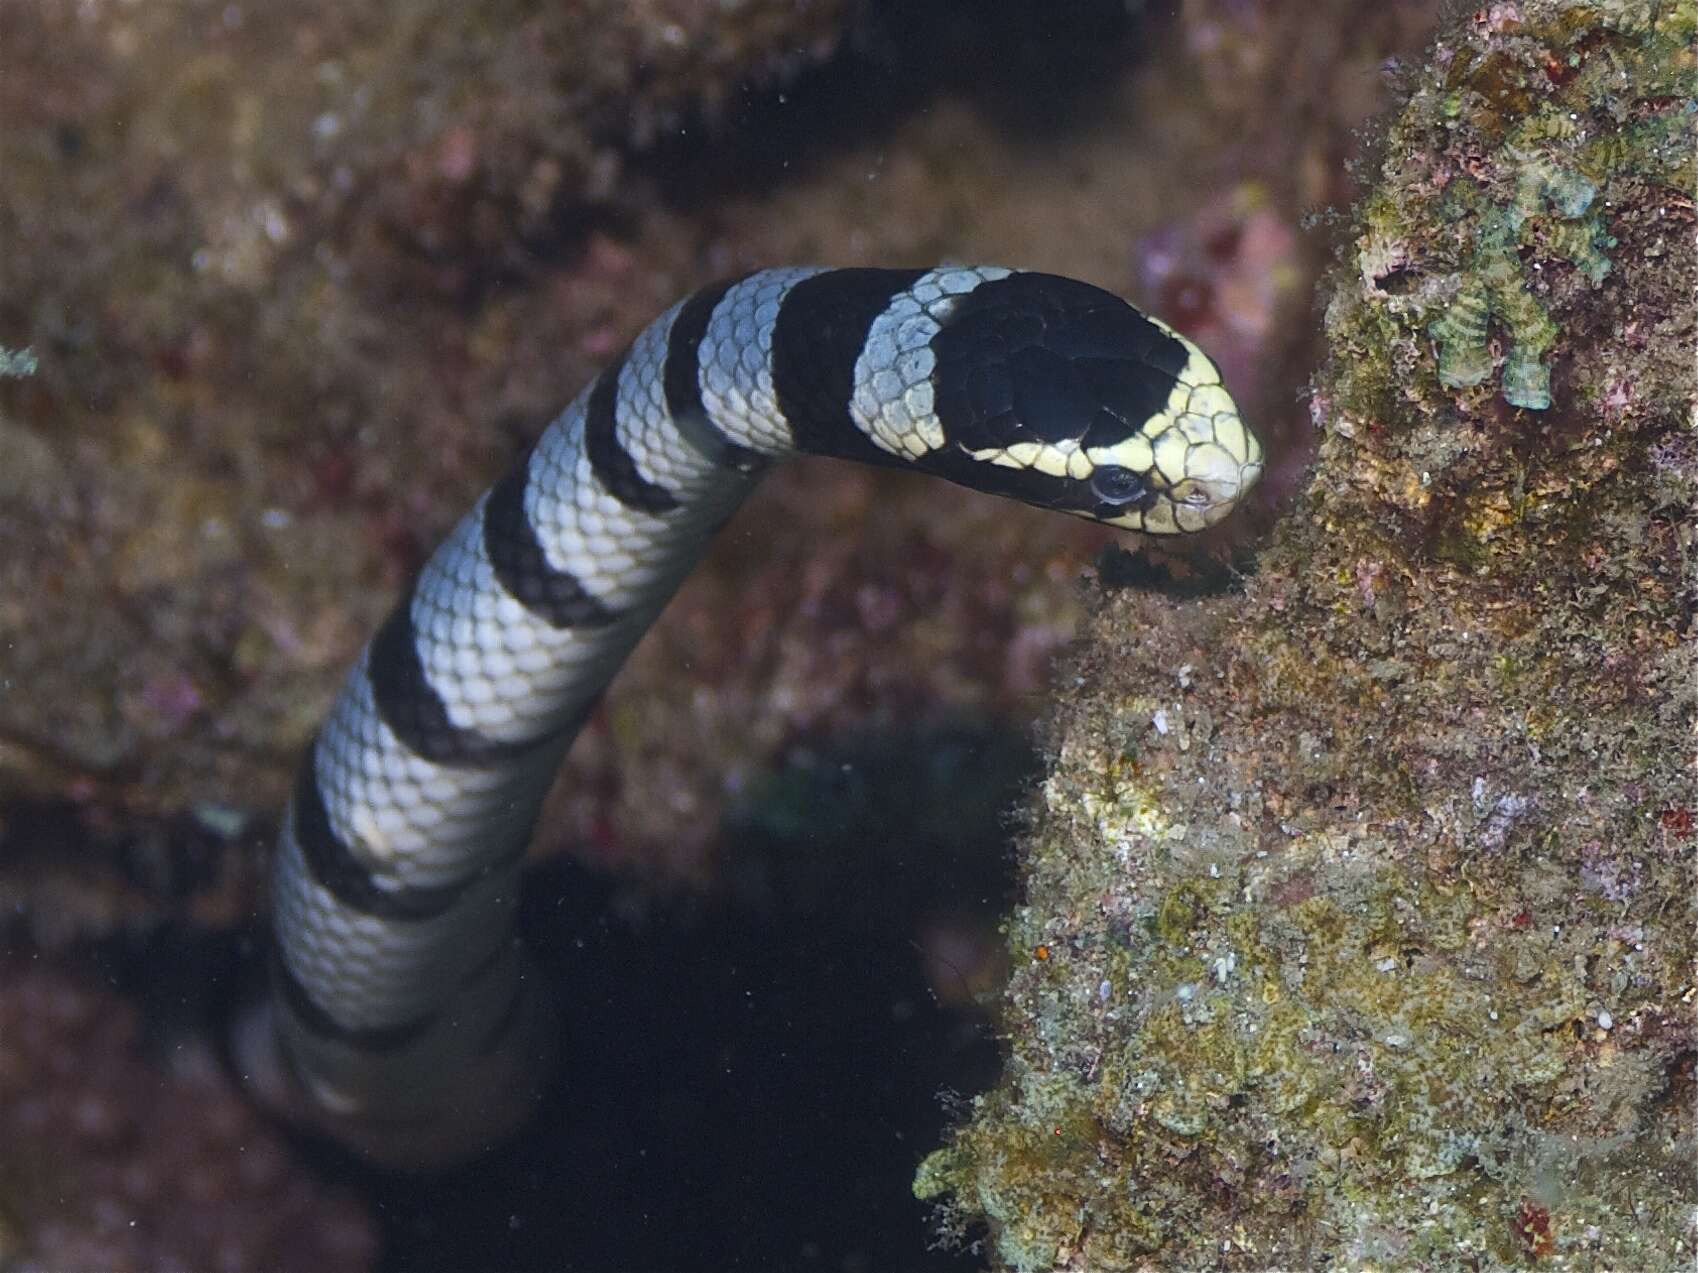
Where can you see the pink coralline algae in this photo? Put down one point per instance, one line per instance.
(110, 1162)
(1226, 279)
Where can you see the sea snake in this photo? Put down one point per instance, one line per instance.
(401, 1019)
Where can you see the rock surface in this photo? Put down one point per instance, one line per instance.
(1360, 907)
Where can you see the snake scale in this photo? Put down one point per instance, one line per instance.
(401, 1018)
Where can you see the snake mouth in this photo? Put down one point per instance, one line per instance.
(1186, 487)
(1195, 471)
(1215, 481)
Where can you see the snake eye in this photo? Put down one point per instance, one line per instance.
(1115, 485)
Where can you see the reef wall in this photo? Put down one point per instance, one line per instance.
(1359, 906)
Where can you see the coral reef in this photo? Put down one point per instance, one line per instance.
(233, 216)
(109, 1162)
(283, 335)
(1360, 909)
(293, 284)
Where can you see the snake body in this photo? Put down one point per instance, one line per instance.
(401, 1011)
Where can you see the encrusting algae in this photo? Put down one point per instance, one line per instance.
(1360, 910)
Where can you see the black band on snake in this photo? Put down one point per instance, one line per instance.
(402, 1020)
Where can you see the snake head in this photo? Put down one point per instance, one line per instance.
(1063, 395)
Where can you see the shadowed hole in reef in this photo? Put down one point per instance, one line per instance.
(749, 1081)
(1035, 70)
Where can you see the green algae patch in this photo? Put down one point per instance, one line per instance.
(1359, 909)
(1490, 225)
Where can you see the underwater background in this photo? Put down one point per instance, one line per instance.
(282, 288)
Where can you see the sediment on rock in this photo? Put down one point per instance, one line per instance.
(1359, 915)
